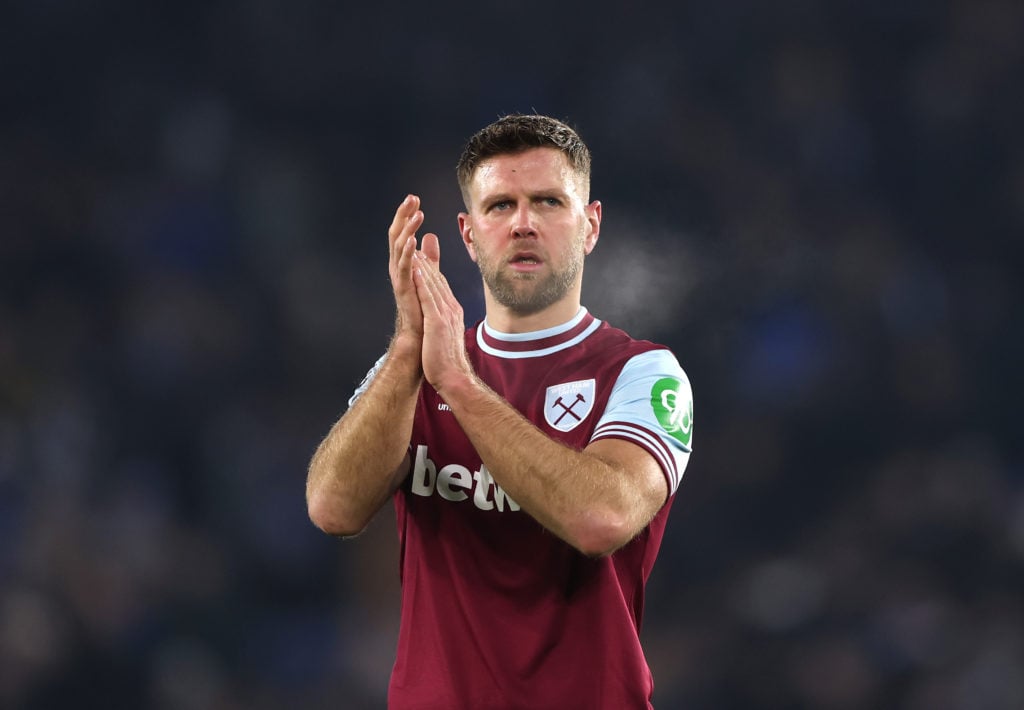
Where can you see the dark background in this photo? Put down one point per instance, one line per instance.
(819, 207)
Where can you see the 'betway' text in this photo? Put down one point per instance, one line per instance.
(457, 483)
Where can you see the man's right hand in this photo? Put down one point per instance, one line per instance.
(402, 246)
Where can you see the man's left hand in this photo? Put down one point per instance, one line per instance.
(445, 363)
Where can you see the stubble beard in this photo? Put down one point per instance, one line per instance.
(528, 293)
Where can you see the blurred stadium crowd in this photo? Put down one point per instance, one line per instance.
(819, 207)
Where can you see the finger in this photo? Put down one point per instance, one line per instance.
(402, 213)
(399, 268)
(408, 207)
(405, 259)
(414, 221)
(437, 278)
(426, 277)
(430, 268)
(435, 287)
(448, 296)
(432, 247)
(410, 313)
(424, 289)
(422, 266)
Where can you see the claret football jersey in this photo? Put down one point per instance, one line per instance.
(497, 612)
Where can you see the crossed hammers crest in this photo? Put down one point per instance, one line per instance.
(568, 408)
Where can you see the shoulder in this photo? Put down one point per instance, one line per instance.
(620, 345)
(657, 361)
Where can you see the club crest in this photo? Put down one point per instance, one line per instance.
(568, 404)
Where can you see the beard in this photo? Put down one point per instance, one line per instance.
(528, 293)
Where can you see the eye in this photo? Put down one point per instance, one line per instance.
(501, 205)
(552, 201)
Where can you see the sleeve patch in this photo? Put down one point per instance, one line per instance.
(673, 407)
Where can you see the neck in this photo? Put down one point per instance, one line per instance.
(502, 319)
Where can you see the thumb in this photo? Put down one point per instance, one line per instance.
(432, 248)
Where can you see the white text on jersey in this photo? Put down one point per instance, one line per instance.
(453, 480)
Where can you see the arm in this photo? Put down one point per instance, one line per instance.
(364, 457)
(596, 500)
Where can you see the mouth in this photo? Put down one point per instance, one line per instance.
(524, 261)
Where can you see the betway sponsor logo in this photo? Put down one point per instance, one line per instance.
(457, 483)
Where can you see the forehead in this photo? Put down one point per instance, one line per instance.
(535, 168)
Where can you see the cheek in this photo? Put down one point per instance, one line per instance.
(584, 239)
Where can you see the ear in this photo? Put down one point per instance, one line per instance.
(593, 211)
(466, 230)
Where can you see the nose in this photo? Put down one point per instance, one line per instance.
(522, 225)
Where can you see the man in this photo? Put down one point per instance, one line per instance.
(532, 459)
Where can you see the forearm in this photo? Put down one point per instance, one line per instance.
(360, 462)
(585, 500)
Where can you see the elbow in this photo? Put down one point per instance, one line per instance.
(329, 515)
(599, 535)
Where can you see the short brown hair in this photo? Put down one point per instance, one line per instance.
(514, 134)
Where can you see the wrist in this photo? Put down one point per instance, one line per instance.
(406, 345)
(404, 360)
(459, 389)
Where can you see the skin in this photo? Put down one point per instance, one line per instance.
(528, 204)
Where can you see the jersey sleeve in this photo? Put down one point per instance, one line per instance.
(651, 405)
(367, 379)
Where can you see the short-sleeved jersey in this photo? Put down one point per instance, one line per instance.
(497, 612)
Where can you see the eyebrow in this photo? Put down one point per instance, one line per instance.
(533, 194)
